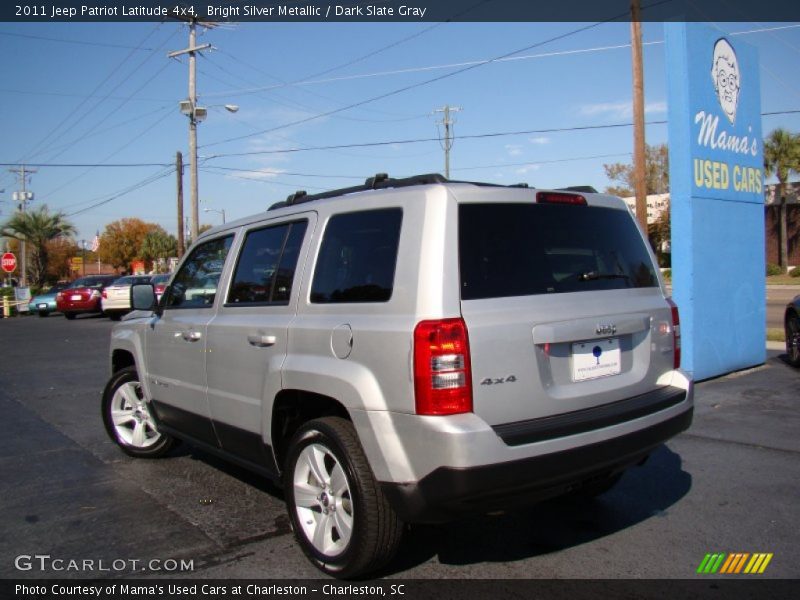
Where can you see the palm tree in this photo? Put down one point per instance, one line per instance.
(782, 155)
(36, 228)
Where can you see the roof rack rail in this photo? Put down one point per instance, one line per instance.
(586, 189)
(378, 182)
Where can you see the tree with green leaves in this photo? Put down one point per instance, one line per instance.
(37, 228)
(781, 156)
(158, 245)
(656, 173)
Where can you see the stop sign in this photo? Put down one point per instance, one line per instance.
(9, 262)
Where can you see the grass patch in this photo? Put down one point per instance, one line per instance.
(776, 334)
(784, 279)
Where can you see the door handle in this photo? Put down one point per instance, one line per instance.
(192, 336)
(261, 341)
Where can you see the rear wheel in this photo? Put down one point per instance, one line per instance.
(340, 517)
(127, 417)
(69, 315)
(44, 313)
(792, 327)
(114, 316)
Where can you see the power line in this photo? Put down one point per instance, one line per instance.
(420, 69)
(67, 41)
(460, 137)
(74, 111)
(432, 139)
(147, 181)
(426, 82)
(93, 165)
(372, 144)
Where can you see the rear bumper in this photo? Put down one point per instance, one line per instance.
(449, 492)
(74, 306)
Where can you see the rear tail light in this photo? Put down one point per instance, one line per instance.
(560, 198)
(105, 295)
(676, 334)
(442, 376)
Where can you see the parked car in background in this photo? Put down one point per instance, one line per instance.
(45, 303)
(116, 299)
(160, 282)
(83, 295)
(792, 326)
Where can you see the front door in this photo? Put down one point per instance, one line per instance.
(176, 343)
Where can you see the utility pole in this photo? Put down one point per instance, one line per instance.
(195, 114)
(22, 197)
(447, 143)
(179, 171)
(639, 166)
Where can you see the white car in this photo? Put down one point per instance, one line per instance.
(117, 297)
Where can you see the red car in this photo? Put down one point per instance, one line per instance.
(83, 295)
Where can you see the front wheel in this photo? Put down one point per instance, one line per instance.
(44, 313)
(127, 417)
(339, 514)
(793, 339)
(69, 316)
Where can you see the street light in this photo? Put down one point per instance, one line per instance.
(220, 211)
(196, 114)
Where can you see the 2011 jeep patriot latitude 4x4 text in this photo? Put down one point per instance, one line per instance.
(409, 350)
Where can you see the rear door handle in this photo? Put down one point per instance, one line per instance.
(261, 341)
(192, 336)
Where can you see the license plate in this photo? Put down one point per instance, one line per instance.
(75, 297)
(41, 305)
(596, 358)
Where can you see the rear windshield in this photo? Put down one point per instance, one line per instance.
(91, 282)
(527, 249)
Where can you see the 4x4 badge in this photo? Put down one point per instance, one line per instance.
(498, 380)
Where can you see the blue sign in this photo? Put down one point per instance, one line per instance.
(716, 198)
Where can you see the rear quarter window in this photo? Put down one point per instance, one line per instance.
(529, 249)
(357, 257)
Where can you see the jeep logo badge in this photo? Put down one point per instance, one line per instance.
(606, 329)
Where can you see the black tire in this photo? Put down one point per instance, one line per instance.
(70, 315)
(44, 313)
(114, 316)
(376, 530)
(792, 329)
(152, 443)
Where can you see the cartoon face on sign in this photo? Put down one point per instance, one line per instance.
(725, 74)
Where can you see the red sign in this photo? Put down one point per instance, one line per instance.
(9, 262)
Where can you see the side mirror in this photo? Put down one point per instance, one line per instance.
(143, 297)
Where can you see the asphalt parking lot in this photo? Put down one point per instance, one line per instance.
(729, 484)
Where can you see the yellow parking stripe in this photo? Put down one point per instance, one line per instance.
(765, 563)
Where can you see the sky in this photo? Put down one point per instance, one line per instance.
(106, 94)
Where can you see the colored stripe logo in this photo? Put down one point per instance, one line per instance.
(734, 563)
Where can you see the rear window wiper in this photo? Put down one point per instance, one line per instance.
(592, 275)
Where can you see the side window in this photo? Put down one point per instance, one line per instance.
(195, 284)
(357, 257)
(266, 266)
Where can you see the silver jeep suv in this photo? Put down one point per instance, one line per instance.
(409, 350)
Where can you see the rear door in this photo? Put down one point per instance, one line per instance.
(563, 307)
(247, 340)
